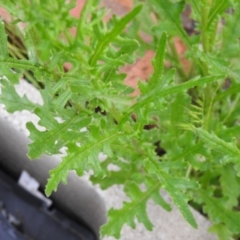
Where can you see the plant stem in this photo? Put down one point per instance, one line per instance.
(204, 20)
(189, 169)
(208, 99)
(207, 106)
(176, 58)
(212, 39)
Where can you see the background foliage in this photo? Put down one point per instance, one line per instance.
(194, 113)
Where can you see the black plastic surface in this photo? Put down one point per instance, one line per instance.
(25, 217)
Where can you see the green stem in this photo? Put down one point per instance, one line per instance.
(176, 58)
(207, 106)
(209, 94)
(189, 169)
(20, 64)
(204, 20)
(213, 36)
(208, 99)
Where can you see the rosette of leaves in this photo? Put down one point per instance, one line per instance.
(195, 117)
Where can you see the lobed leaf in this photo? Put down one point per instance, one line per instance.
(230, 151)
(170, 185)
(77, 156)
(110, 36)
(219, 7)
(20, 64)
(56, 136)
(221, 230)
(158, 63)
(229, 178)
(158, 93)
(13, 101)
(87, 7)
(219, 214)
(171, 14)
(130, 210)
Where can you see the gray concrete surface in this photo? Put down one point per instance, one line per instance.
(168, 226)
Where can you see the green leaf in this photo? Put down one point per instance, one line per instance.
(9, 74)
(113, 177)
(170, 185)
(130, 210)
(110, 36)
(13, 101)
(216, 210)
(221, 230)
(62, 100)
(156, 196)
(19, 64)
(124, 170)
(178, 199)
(158, 92)
(56, 135)
(171, 14)
(31, 43)
(230, 151)
(230, 186)
(158, 63)
(219, 7)
(195, 6)
(3, 42)
(76, 157)
(87, 8)
(231, 33)
(4, 70)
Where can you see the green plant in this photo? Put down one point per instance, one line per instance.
(195, 113)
